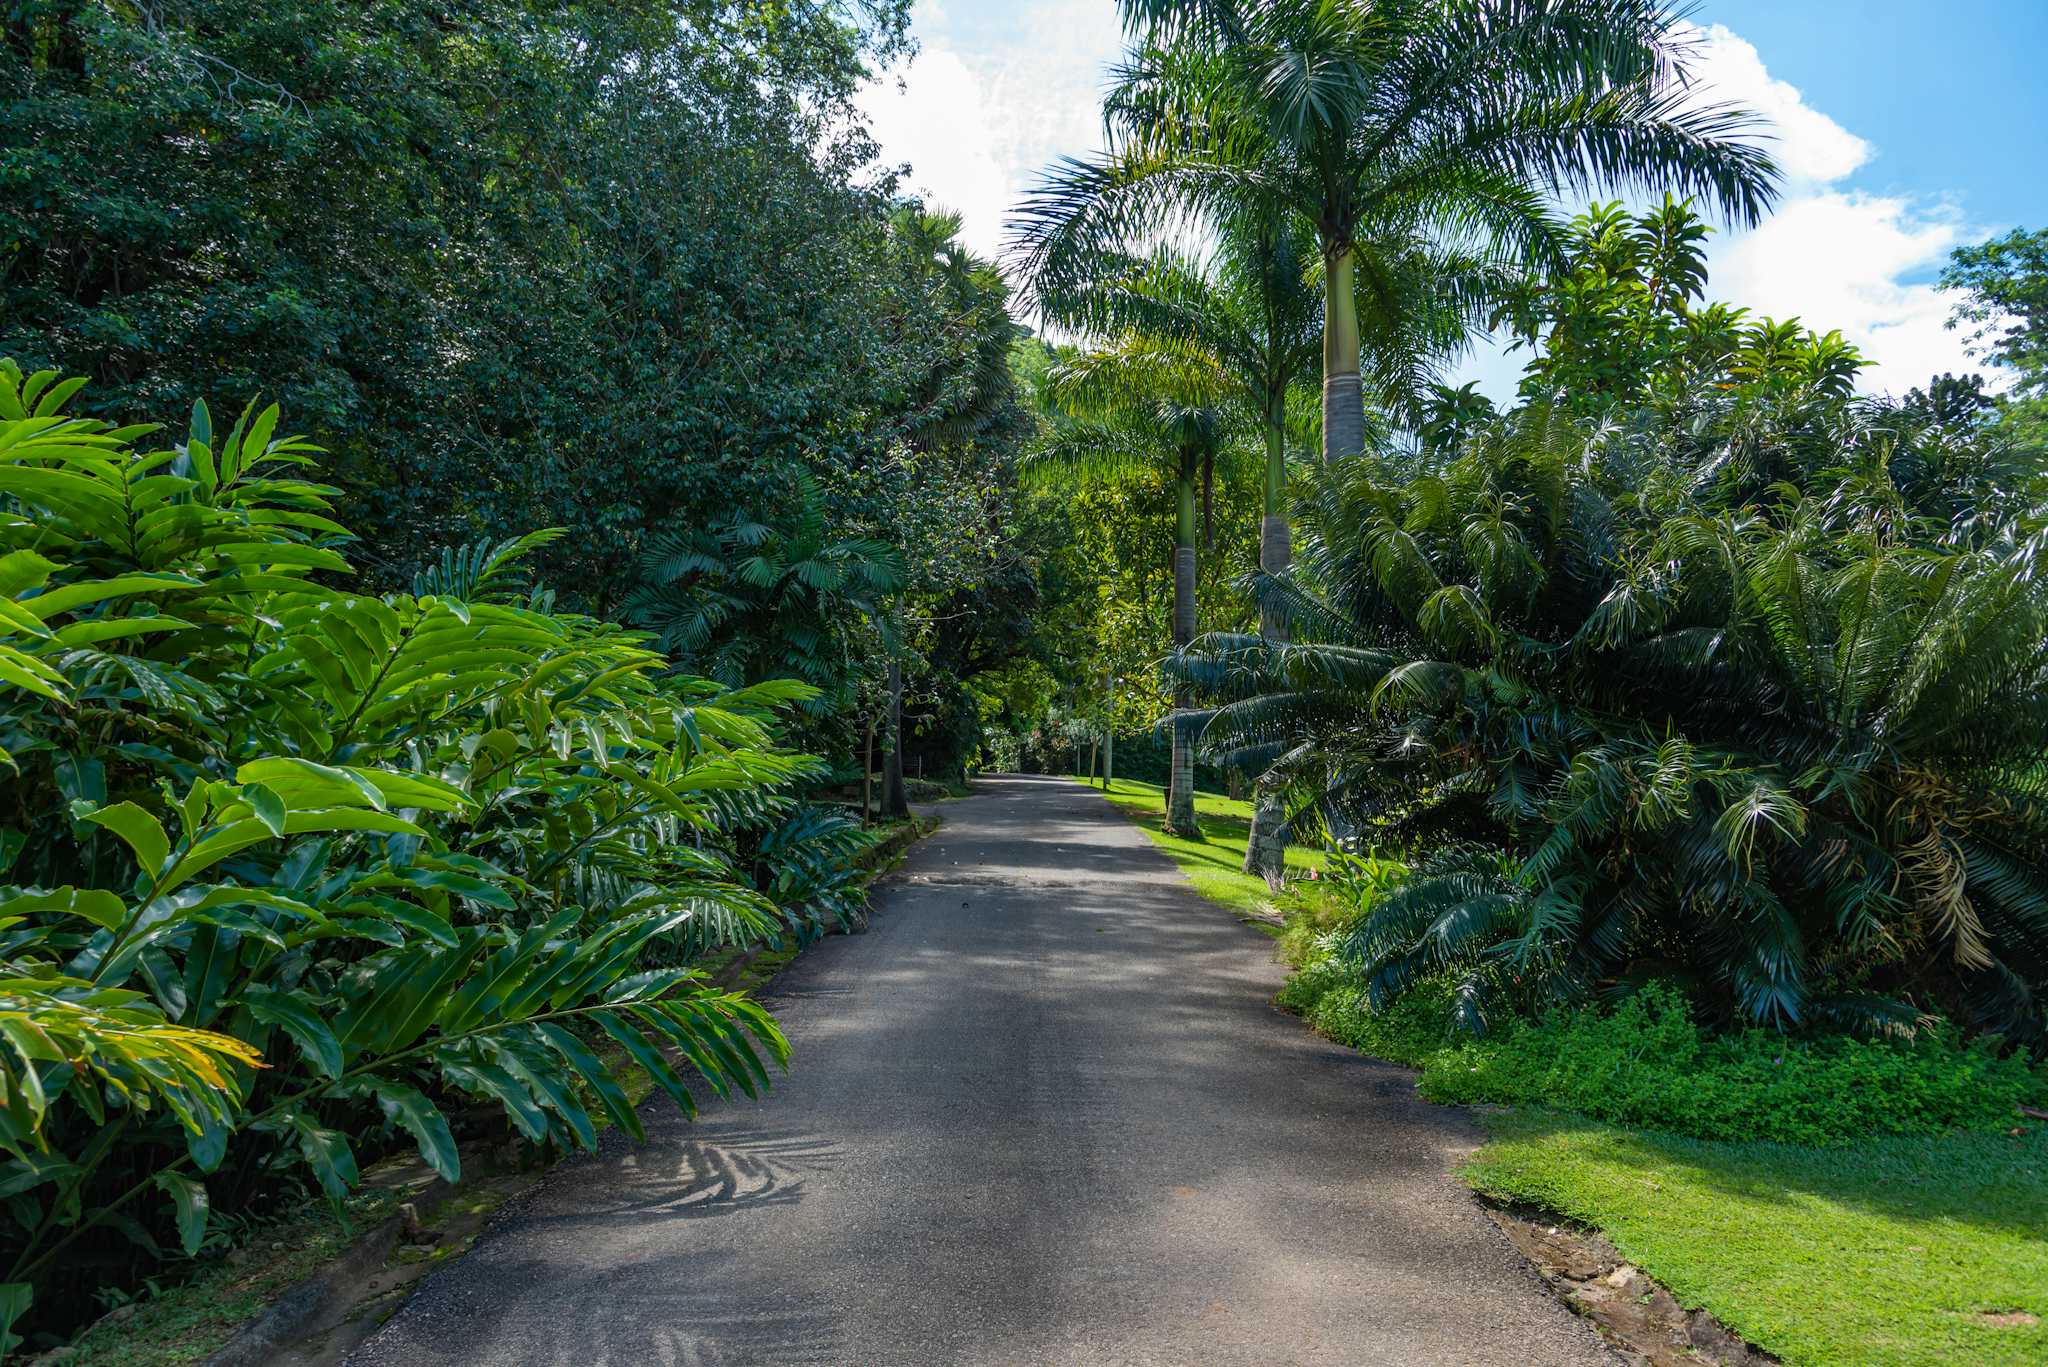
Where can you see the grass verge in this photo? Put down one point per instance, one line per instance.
(1213, 863)
(1895, 1253)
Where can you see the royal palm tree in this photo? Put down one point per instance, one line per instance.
(1451, 124)
(1126, 410)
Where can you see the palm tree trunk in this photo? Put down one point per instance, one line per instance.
(1343, 395)
(895, 800)
(1276, 538)
(1180, 791)
(1265, 851)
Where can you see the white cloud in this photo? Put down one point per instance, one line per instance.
(1810, 148)
(935, 120)
(1831, 255)
(991, 100)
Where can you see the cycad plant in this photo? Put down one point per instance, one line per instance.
(746, 599)
(1752, 697)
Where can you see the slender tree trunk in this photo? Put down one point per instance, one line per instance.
(895, 801)
(1108, 759)
(867, 773)
(1343, 394)
(1265, 851)
(1180, 798)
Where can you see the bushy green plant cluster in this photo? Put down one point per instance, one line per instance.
(1749, 694)
(295, 872)
(1648, 1062)
(1326, 992)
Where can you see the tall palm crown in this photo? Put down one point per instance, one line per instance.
(1238, 330)
(1449, 121)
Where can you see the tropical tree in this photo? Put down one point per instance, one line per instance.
(1622, 321)
(965, 406)
(1131, 409)
(1245, 326)
(1447, 125)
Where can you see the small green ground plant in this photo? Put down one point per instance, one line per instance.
(1650, 1062)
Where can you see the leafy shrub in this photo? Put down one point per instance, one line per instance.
(295, 867)
(1648, 1063)
(1327, 994)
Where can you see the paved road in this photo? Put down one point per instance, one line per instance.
(1041, 1112)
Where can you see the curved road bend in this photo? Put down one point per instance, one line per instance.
(1041, 1112)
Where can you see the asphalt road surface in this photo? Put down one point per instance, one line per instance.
(1043, 1111)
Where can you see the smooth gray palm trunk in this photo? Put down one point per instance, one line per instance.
(1265, 851)
(1180, 799)
(1343, 416)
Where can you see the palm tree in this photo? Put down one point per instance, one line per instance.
(1127, 409)
(1447, 124)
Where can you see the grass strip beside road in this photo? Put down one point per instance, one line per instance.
(1214, 864)
(1898, 1252)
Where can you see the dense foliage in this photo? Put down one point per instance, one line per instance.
(622, 269)
(1748, 693)
(295, 866)
(1648, 1062)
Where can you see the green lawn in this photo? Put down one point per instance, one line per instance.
(1895, 1252)
(1214, 863)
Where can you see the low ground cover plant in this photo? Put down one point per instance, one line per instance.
(296, 872)
(1648, 1060)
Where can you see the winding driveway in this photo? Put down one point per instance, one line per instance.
(1041, 1112)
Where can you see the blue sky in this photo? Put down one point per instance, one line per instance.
(1952, 95)
(1905, 128)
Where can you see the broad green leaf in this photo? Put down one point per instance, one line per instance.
(15, 1299)
(143, 834)
(290, 1012)
(267, 806)
(597, 1077)
(327, 1153)
(95, 905)
(405, 1105)
(188, 1197)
